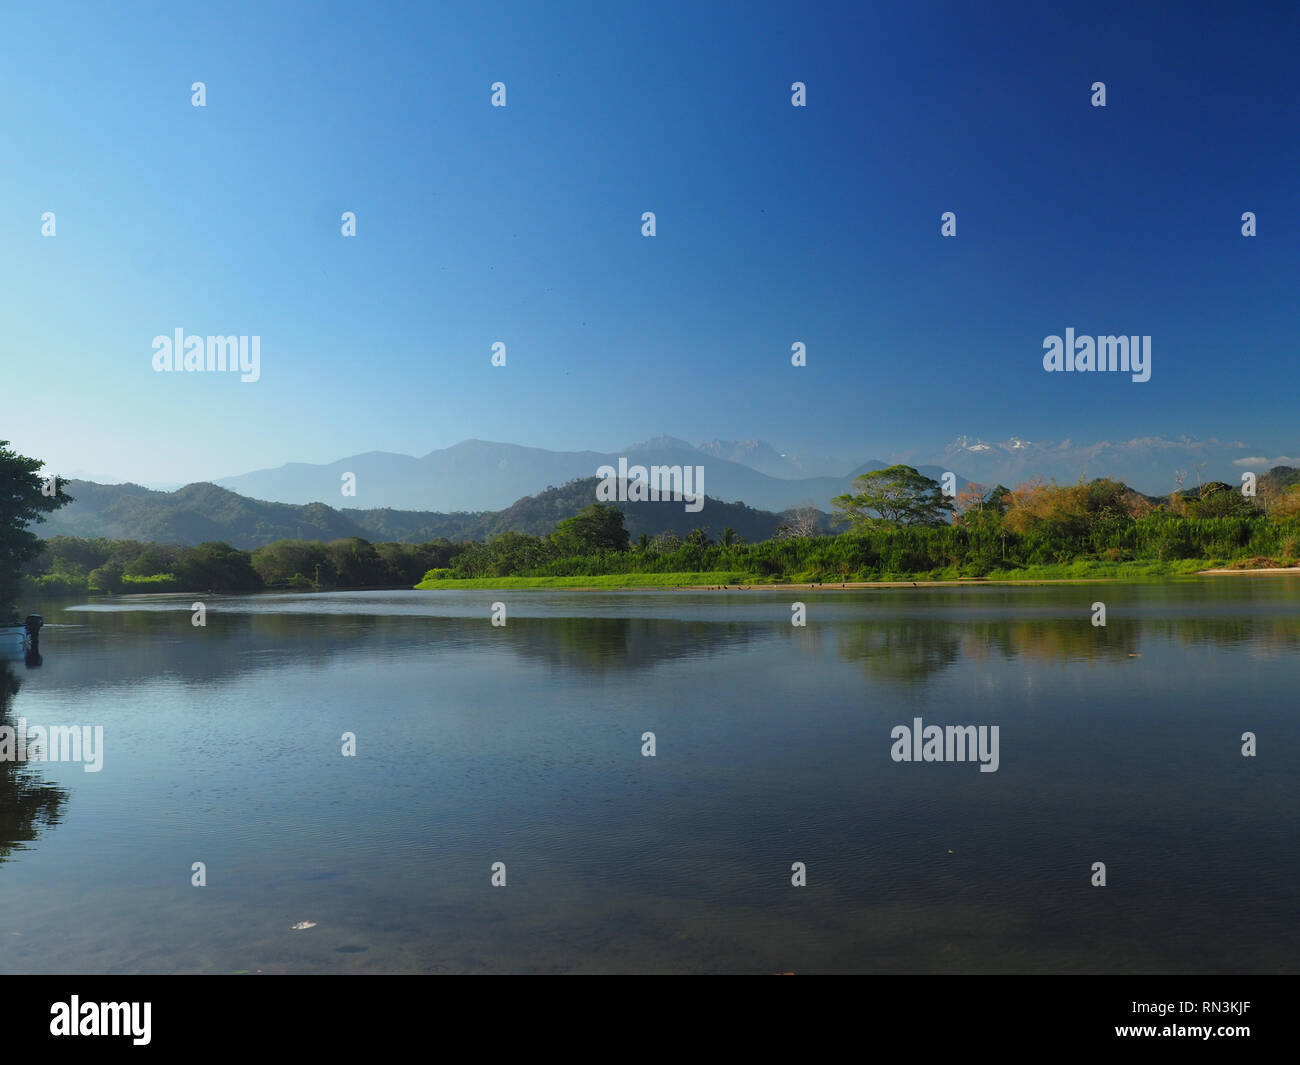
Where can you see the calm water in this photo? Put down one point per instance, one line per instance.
(522, 745)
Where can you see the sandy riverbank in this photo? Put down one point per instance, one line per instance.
(1246, 572)
(851, 586)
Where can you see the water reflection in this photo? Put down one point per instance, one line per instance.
(905, 651)
(28, 805)
(523, 742)
(893, 638)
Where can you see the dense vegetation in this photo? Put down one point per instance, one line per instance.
(1100, 528)
(898, 526)
(25, 498)
(202, 513)
(71, 565)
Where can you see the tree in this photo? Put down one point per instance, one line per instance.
(153, 560)
(974, 497)
(217, 567)
(1286, 504)
(291, 562)
(356, 562)
(897, 495)
(665, 543)
(89, 554)
(1059, 512)
(798, 522)
(24, 499)
(513, 554)
(107, 578)
(592, 530)
(404, 564)
(1219, 500)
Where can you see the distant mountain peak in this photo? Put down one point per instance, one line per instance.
(662, 443)
(979, 446)
(724, 448)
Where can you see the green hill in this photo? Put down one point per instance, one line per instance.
(537, 515)
(200, 513)
(191, 515)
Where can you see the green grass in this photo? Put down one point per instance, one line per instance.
(608, 580)
(1093, 569)
(1082, 569)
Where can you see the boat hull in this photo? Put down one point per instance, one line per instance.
(14, 643)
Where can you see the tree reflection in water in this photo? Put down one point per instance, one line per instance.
(28, 804)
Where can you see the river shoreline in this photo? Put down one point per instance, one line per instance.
(1266, 571)
(850, 586)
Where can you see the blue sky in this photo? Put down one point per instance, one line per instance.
(522, 224)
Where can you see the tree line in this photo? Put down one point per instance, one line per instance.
(73, 565)
(897, 524)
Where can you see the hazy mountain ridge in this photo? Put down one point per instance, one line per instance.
(761, 456)
(480, 475)
(1151, 464)
(203, 512)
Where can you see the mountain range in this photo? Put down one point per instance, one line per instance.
(203, 512)
(482, 475)
(477, 475)
(1152, 465)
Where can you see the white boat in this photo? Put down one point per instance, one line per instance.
(14, 643)
(18, 641)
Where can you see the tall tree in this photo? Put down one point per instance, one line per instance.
(592, 530)
(25, 498)
(216, 566)
(798, 522)
(897, 495)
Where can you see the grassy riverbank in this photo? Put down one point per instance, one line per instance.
(1084, 570)
(604, 580)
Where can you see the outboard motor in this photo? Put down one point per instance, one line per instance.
(34, 624)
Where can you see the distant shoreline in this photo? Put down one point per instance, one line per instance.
(965, 582)
(517, 584)
(1246, 572)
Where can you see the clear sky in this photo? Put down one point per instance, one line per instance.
(522, 224)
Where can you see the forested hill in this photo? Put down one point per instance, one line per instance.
(192, 515)
(539, 514)
(200, 513)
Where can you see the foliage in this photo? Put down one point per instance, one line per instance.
(201, 512)
(896, 495)
(606, 580)
(22, 503)
(595, 528)
(1035, 530)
